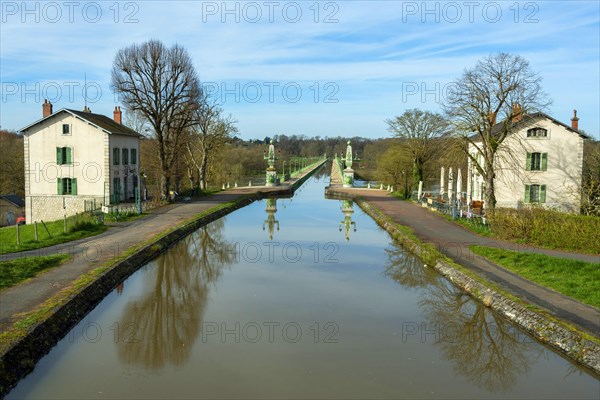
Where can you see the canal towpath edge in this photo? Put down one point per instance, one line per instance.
(38, 312)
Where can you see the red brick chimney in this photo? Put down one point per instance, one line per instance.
(117, 114)
(575, 121)
(517, 113)
(46, 108)
(492, 118)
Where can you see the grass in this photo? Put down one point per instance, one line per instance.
(474, 225)
(45, 310)
(15, 271)
(577, 279)
(122, 216)
(77, 227)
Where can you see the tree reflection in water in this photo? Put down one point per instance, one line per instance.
(484, 347)
(162, 325)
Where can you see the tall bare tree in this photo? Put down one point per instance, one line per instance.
(420, 132)
(161, 84)
(500, 87)
(211, 131)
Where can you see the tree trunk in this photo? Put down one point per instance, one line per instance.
(417, 172)
(202, 172)
(489, 193)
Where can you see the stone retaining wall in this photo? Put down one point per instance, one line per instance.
(20, 359)
(542, 327)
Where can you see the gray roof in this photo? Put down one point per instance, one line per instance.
(528, 118)
(14, 199)
(98, 120)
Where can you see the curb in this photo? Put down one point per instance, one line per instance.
(546, 330)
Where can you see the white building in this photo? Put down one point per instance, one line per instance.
(541, 162)
(76, 161)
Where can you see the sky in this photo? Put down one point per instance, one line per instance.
(314, 68)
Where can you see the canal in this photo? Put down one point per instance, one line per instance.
(296, 298)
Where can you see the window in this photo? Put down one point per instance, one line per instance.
(133, 156)
(117, 186)
(116, 156)
(66, 129)
(536, 162)
(125, 156)
(63, 155)
(537, 132)
(535, 193)
(67, 186)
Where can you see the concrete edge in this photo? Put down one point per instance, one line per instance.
(560, 337)
(22, 356)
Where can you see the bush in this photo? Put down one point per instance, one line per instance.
(547, 228)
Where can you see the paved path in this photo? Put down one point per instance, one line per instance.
(89, 253)
(453, 240)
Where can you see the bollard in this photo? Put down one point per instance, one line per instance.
(223, 188)
(381, 186)
(235, 184)
(249, 183)
(228, 185)
(369, 185)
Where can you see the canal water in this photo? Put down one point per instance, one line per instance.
(297, 298)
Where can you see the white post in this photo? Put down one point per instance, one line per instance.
(450, 185)
(459, 185)
(442, 191)
(420, 192)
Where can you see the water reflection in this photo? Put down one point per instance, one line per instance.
(347, 224)
(484, 347)
(161, 326)
(271, 222)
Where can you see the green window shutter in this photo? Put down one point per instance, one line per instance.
(74, 186)
(527, 193)
(542, 193)
(59, 186)
(68, 150)
(58, 155)
(544, 161)
(528, 162)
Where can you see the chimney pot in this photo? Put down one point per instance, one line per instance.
(117, 115)
(517, 113)
(46, 108)
(575, 121)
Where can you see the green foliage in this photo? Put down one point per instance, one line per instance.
(574, 278)
(78, 227)
(15, 271)
(547, 228)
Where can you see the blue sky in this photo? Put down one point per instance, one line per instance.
(305, 67)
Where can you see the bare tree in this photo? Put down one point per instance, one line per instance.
(211, 131)
(162, 85)
(590, 189)
(420, 132)
(500, 86)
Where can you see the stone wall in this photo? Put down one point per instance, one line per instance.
(54, 207)
(547, 330)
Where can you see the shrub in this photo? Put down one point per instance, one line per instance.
(547, 228)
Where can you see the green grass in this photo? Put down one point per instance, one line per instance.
(122, 216)
(15, 271)
(77, 228)
(474, 225)
(577, 279)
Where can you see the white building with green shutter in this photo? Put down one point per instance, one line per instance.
(541, 162)
(76, 161)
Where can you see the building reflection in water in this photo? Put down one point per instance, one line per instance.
(160, 327)
(347, 224)
(271, 222)
(484, 347)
